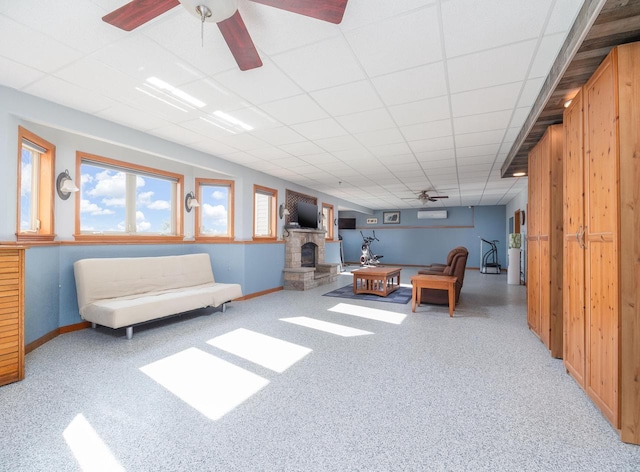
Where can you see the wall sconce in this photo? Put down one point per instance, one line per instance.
(190, 202)
(283, 211)
(64, 185)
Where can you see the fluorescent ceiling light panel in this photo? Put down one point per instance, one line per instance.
(164, 86)
(233, 120)
(217, 125)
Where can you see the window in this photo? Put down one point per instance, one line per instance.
(327, 219)
(35, 186)
(264, 212)
(214, 216)
(123, 199)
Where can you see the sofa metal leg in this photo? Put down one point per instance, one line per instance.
(93, 325)
(224, 307)
(129, 332)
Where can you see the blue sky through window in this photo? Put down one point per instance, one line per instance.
(103, 201)
(214, 209)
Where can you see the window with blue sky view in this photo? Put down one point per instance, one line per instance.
(119, 201)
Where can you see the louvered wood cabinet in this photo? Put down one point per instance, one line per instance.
(11, 314)
(544, 240)
(602, 239)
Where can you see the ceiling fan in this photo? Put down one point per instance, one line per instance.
(225, 13)
(424, 197)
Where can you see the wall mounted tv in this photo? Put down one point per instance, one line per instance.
(307, 215)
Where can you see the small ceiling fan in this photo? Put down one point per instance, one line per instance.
(424, 197)
(225, 13)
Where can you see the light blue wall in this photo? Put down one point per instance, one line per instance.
(421, 242)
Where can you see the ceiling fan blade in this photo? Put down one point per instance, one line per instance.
(237, 37)
(138, 12)
(325, 10)
(442, 196)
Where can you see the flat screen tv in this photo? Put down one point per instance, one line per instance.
(307, 215)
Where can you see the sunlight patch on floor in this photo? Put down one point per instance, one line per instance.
(269, 352)
(211, 385)
(369, 313)
(88, 447)
(325, 326)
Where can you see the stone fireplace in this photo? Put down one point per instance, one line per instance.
(304, 266)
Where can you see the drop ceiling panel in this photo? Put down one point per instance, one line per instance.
(70, 95)
(303, 148)
(436, 144)
(32, 48)
(482, 122)
(17, 75)
(547, 52)
(292, 110)
(409, 40)
(421, 111)
(474, 102)
(131, 117)
(278, 136)
(471, 26)
(320, 65)
(498, 66)
(71, 29)
(418, 83)
(433, 129)
(274, 84)
(370, 120)
(320, 129)
(348, 99)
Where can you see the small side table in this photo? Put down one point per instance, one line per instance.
(438, 282)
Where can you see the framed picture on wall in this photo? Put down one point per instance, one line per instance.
(391, 217)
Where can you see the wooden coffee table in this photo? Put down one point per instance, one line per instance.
(439, 282)
(376, 280)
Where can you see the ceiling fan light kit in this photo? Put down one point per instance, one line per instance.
(225, 13)
(211, 11)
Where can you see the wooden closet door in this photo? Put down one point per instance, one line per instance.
(601, 239)
(573, 256)
(544, 244)
(533, 244)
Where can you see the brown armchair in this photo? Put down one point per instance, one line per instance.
(440, 267)
(456, 268)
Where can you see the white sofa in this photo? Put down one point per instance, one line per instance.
(123, 292)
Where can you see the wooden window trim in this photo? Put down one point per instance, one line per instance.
(46, 188)
(230, 211)
(109, 238)
(330, 225)
(273, 220)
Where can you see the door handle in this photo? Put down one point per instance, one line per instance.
(582, 243)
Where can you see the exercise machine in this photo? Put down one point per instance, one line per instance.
(489, 263)
(368, 258)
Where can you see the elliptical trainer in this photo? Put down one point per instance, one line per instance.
(368, 258)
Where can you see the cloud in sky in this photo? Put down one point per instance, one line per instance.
(218, 195)
(87, 207)
(216, 215)
(25, 177)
